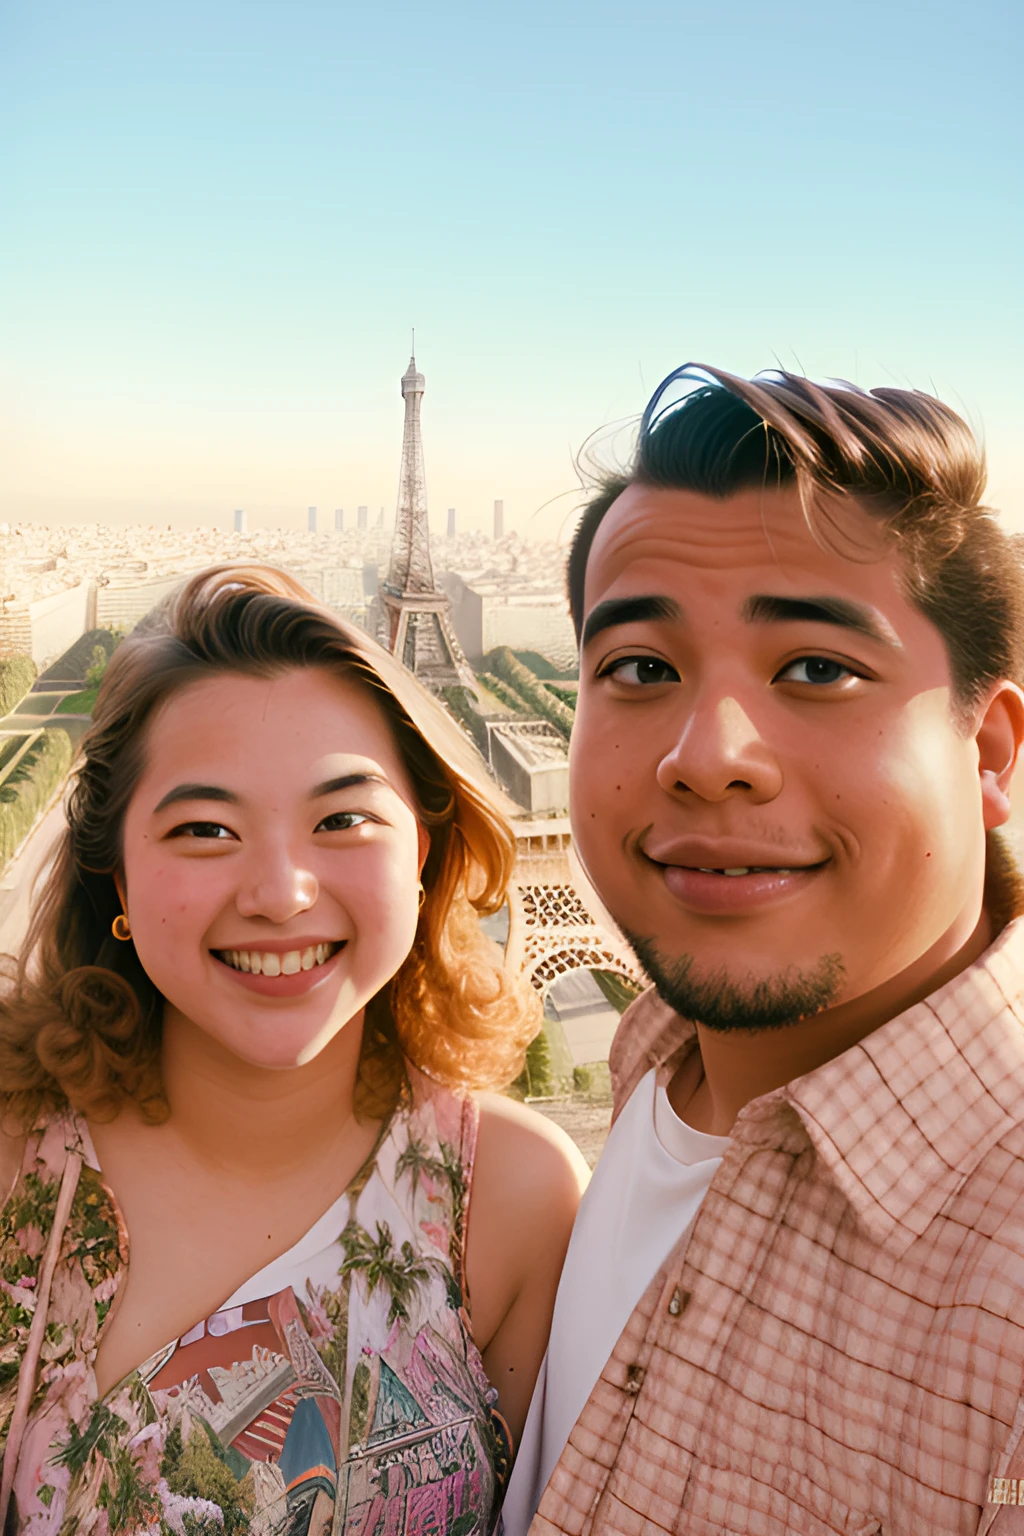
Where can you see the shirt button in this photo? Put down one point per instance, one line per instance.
(634, 1379)
(678, 1302)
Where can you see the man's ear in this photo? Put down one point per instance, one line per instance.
(999, 736)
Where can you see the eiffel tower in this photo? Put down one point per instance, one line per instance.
(414, 609)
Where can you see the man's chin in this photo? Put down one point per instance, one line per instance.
(727, 999)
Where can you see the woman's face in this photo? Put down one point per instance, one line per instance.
(271, 860)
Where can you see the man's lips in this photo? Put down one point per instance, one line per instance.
(749, 879)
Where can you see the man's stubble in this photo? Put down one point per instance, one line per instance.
(726, 1004)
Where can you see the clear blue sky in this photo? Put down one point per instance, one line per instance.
(218, 222)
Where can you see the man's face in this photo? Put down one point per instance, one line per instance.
(770, 788)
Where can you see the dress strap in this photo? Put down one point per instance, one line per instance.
(37, 1332)
(469, 1131)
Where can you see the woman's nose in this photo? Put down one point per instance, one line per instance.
(280, 888)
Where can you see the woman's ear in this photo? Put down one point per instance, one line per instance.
(423, 841)
(122, 889)
(999, 736)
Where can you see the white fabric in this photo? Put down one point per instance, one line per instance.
(644, 1195)
(318, 1257)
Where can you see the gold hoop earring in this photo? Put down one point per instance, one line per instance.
(423, 896)
(121, 928)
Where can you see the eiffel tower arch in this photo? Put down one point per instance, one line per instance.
(560, 935)
(556, 924)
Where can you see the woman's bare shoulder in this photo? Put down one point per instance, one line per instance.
(532, 1159)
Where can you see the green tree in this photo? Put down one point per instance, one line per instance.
(459, 702)
(400, 1273)
(416, 1161)
(123, 1494)
(530, 689)
(96, 668)
(17, 674)
(536, 1081)
(201, 1473)
(99, 1437)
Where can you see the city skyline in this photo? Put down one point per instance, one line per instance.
(221, 225)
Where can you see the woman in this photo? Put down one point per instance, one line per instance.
(241, 1041)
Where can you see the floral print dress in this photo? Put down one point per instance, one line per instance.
(354, 1402)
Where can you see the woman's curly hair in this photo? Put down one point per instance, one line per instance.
(81, 1022)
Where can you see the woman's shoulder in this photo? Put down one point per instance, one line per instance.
(501, 1137)
(528, 1164)
(535, 1144)
(526, 1187)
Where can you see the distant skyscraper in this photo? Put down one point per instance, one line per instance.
(311, 514)
(451, 522)
(239, 520)
(499, 520)
(339, 519)
(380, 518)
(414, 608)
(361, 518)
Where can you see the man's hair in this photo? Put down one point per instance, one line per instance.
(910, 461)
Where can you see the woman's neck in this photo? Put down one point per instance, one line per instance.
(252, 1122)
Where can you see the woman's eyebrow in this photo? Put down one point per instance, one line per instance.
(346, 781)
(197, 792)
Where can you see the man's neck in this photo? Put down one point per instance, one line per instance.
(733, 1068)
(251, 1123)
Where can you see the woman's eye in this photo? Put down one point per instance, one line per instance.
(820, 670)
(207, 830)
(641, 670)
(342, 821)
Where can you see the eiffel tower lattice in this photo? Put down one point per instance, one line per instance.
(415, 611)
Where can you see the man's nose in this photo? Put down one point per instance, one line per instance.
(279, 886)
(719, 752)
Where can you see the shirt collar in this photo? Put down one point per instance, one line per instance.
(900, 1120)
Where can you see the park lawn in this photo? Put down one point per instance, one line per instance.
(78, 703)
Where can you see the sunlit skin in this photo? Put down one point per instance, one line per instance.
(727, 732)
(237, 838)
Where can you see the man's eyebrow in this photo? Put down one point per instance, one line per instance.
(197, 792)
(346, 781)
(769, 609)
(628, 610)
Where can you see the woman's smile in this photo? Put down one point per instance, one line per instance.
(281, 973)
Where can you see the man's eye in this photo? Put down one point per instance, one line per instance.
(641, 670)
(342, 821)
(207, 830)
(820, 670)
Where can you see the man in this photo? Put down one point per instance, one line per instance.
(794, 1299)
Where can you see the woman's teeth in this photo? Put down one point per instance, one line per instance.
(265, 963)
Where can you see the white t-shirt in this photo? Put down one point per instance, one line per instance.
(644, 1195)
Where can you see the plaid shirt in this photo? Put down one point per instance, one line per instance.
(840, 1345)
